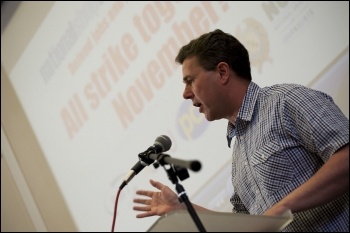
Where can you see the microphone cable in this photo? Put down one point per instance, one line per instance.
(115, 209)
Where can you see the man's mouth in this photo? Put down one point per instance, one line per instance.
(198, 105)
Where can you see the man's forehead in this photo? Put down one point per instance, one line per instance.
(189, 63)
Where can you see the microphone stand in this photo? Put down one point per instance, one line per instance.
(173, 173)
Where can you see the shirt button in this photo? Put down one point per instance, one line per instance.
(245, 163)
(262, 156)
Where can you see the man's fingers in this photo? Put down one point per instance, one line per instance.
(145, 193)
(146, 214)
(142, 201)
(156, 184)
(142, 208)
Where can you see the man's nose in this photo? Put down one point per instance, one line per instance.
(188, 94)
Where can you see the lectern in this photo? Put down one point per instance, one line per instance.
(181, 221)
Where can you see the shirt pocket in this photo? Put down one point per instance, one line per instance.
(273, 169)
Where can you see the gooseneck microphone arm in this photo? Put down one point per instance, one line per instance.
(173, 174)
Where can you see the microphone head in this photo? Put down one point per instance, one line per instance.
(164, 142)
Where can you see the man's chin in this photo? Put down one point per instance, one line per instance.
(209, 118)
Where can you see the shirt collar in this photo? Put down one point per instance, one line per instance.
(246, 111)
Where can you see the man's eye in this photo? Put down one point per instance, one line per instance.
(189, 81)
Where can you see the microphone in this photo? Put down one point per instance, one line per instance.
(161, 144)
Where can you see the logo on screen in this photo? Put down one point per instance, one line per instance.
(255, 39)
(190, 123)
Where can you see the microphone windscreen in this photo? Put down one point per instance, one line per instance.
(163, 141)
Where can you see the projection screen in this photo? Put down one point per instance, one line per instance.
(88, 85)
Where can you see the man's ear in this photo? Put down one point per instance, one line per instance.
(224, 71)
